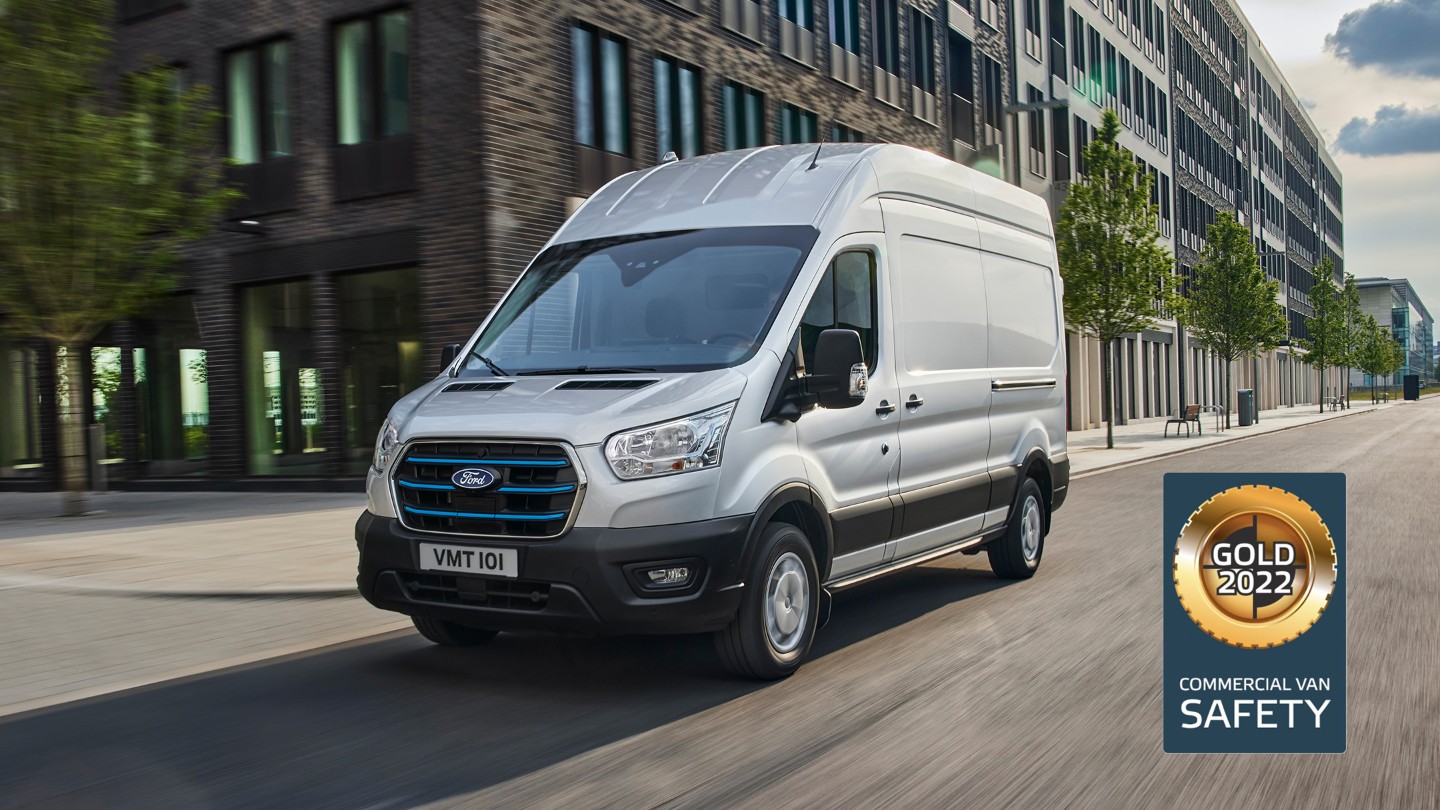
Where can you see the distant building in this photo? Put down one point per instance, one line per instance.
(1395, 304)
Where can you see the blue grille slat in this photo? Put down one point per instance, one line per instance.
(483, 515)
(537, 490)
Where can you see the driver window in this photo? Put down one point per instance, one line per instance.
(845, 299)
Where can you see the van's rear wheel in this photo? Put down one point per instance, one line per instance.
(450, 634)
(1016, 555)
(772, 632)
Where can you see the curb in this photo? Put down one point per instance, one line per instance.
(1182, 451)
(82, 585)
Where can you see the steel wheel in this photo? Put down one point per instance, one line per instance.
(1031, 528)
(787, 603)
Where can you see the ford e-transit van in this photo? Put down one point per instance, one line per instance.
(726, 388)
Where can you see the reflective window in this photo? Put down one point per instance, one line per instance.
(677, 108)
(680, 301)
(284, 397)
(257, 101)
(744, 114)
(600, 84)
(372, 77)
(380, 333)
(19, 407)
(797, 125)
(845, 299)
(172, 389)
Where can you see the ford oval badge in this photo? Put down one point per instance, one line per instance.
(474, 478)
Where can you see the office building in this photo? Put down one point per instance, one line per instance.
(402, 162)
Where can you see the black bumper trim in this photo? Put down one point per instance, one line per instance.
(590, 591)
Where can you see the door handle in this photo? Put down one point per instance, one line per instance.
(914, 402)
(884, 408)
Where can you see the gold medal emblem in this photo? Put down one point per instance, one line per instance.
(1255, 566)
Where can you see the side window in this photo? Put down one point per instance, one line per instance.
(845, 299)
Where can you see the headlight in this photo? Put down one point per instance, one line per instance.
(385, 445)
(692, 443)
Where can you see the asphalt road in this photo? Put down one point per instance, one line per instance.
(939, 687)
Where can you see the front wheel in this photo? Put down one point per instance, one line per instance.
(772, 631)
(1016, 555)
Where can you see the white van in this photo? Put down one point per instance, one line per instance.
(727, 387)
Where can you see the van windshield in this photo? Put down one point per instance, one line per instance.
(676, 301)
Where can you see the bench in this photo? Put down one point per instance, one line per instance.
(1190, 414)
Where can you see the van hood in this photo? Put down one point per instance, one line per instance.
(581, 410)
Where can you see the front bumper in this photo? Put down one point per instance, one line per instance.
(576, 583)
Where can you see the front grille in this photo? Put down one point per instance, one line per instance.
(536, 489)
(505, 594)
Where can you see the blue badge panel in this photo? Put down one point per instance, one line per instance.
(1254, 613)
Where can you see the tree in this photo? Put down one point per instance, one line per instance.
(1232, 308)
(1355, 329)
(1371, 358)
(1118, 276)
(103, 179)
(1327, 342)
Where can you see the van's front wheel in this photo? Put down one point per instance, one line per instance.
(772, 631)
(1016, 555)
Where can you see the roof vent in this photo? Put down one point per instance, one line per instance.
(604, 385)
(476, 386)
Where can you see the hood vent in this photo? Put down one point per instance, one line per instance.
(476, 386)
(604, 385)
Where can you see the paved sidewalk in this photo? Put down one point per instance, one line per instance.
(183, 544)
(301, 544)
(1143, 440)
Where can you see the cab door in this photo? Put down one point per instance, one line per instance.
(942, 373)
(852, 455)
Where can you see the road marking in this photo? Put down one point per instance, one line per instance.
(52, 701)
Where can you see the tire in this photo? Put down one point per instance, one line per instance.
(772, 632)
(450, 634)
(1016, 555)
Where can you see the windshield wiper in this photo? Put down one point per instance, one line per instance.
(585, 370)
(490, 364)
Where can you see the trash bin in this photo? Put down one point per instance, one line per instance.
(1246, 406)
(1412, 386)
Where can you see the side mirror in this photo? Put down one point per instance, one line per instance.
(839, 378)
(448, 354)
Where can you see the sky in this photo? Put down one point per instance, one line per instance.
(1368, 73)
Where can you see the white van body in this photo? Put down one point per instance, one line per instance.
(947, 276)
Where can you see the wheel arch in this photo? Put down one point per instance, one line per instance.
(798, 504)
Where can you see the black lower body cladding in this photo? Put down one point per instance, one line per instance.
(588, 578)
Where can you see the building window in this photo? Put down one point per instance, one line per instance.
(922, 51)
(257, 101)
(887, 36)
(380, 336)
(602, 90)
(284, 399)
(839, 133)
(845, 24)
(21, 406)
(1034, 45)
(372, 77)
(1037, 132)
(172, 389)
(744, 115)
(993, 101)
(962, 88)
(799, 12)
(797, 24)
(677, 108)
(797, 125)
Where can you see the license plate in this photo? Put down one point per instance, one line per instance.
(495, 562)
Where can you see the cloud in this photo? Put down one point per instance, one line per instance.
(1396, 36)
(1396, 130)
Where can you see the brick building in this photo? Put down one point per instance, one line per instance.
(404, 161)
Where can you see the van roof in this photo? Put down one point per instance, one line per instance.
(774, 185)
